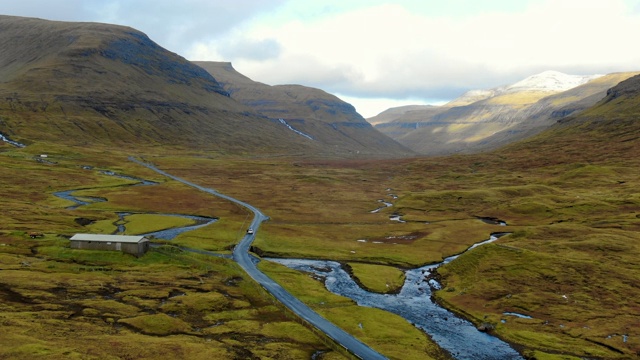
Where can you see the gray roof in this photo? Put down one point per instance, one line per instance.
(109, 238)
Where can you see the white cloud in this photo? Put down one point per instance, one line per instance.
(369, 107)
(388, 51)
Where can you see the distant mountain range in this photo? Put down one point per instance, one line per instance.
(101, 84)
(486, 119)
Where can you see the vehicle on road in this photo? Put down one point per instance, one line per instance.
(250, 231)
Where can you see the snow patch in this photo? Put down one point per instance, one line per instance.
(552, 81)
(521, 316)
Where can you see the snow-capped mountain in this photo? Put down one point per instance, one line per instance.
(548, 81)
(552, 81)
(485, 119)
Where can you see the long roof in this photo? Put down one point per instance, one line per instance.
(108, 238)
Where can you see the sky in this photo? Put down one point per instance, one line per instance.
(378, 54)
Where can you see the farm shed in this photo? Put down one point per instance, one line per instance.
(134, 245)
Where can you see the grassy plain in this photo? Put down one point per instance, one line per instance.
(570, 262)
(56, 302)
(573, 218)
(62, 303)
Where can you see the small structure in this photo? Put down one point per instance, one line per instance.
(134, 245)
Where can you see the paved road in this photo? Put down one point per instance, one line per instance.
(242, 257)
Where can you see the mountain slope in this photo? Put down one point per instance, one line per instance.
(607, 132)
(310, 112)
(482, 120)
(406, 111)
(100, 84)
(84, 82)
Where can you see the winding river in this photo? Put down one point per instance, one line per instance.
(166, 234)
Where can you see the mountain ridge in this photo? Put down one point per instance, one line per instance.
(103, 84)
(482, 120)
(550, 80)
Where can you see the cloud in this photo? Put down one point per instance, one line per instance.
(390, 51)
(69, 10)
(176, 25)
(252, 50)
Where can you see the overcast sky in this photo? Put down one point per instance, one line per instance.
(376, 54)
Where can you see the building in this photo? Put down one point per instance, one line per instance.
(134, 245)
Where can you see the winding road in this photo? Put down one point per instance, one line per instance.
(243, 258)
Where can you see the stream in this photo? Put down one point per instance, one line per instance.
(11, 142)
(457, 336)
(165, 234)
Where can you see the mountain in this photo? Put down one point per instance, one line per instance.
(310, 112)
(607, 132)
(485, 119)
(101, 84)
(550, 81)
(392, 114)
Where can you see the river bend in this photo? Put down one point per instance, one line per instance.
(457, 336)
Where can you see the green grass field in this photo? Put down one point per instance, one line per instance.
(569, 262)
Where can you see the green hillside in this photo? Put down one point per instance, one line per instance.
(101, 84)
(485, 120)
(315, 113)
(570, 263)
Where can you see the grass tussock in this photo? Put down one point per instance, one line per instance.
(377, 278)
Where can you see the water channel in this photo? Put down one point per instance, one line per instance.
(165, 234)
(11, 142)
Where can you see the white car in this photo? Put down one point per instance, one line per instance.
(249, 231)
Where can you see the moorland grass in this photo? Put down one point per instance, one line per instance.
(145, 223)
(155, 298)
(64, 303)
(552, 206)
(573, 215)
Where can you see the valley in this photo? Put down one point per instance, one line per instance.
(320, 209)
(557, 280)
